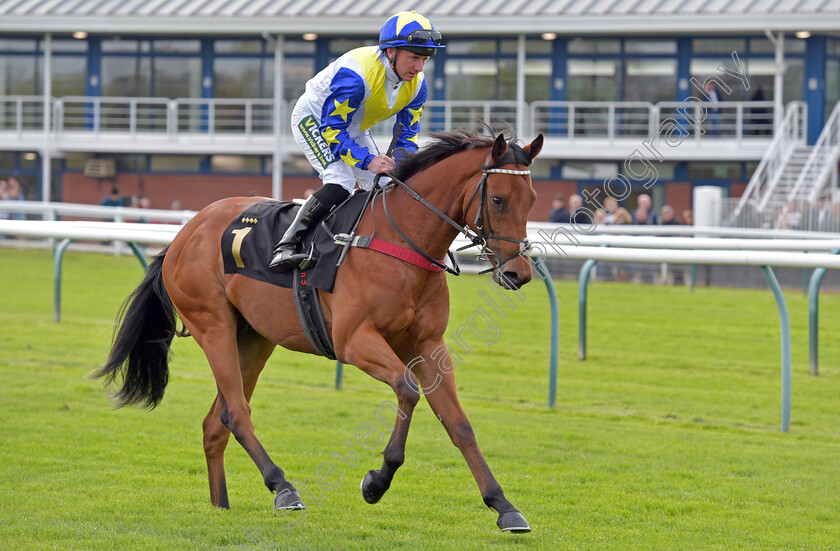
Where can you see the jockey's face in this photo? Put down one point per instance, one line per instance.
(407, 64)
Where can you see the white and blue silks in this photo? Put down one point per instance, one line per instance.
(332, 119)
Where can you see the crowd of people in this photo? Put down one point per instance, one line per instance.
(612, 213)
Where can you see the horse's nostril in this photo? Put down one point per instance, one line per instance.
(511, 280)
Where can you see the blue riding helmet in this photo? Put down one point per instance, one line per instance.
(410, 31)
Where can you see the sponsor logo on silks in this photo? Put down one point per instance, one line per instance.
(319, 146)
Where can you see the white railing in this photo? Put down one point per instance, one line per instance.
(723, 120)
(21, 113)
(769, 171)
(101, 116)
(593, 119)
(54, 211)
(164, 116)
(822, 161)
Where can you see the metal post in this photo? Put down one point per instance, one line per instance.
(784, 321)
(813, 318)
(139, 254)
(583, 281)
(520, 87)
(277, 157)
(338, 369)
(59, 256)
(555, 330)
(46, 156)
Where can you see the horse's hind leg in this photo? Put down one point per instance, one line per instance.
(213, 324)
(254, 351)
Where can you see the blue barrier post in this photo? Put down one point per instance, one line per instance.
(555, 330)
(59, 257)
(784, 320)
(583, 282)
(813, 318)
(338, 369)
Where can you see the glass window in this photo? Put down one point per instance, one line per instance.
(456, 47)
(126, 76)
(537, 80)
(594, 46)
(473, 79)
(131, 163)
(714, 171)
(238, 46)
(17, 75)
(650, 46)
(236, 164)
(832, 84)
(718, 45)
(340, 46)
(68, 76)
(177, 46)
(581, 170)
(75, 161)
(119, 45)
(17, 45)
(539, 46)
(239, 78)
(299, 47)
(650, 80)
(67, 45)
(177, 77)
(296, 71)
(593, 80)
(793, 45)
(175, 163)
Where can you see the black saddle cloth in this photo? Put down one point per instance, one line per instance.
(248, 242)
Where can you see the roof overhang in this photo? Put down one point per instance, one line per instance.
(649, 25)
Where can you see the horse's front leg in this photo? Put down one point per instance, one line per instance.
(369, 351)
(439, 388)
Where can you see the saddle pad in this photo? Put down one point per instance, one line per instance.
(248, 242)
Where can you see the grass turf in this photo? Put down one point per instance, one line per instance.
(667, 437)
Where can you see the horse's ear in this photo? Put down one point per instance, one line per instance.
(499, 147)
(533, 149)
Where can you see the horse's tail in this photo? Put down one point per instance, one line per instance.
(145, 327)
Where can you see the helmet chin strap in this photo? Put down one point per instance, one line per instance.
(393, 63)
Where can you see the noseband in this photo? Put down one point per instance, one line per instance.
(484, 230)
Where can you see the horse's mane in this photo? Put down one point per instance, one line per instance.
(448, 143)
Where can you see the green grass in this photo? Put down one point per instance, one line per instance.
(667, 437)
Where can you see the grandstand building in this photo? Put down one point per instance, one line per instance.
(187, 101)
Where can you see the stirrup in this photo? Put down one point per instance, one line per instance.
(286, 260)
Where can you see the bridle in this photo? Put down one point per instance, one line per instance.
(484, 230)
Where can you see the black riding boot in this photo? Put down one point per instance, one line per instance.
(286, 255)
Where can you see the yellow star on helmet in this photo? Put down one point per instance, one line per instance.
(342, 109)
(415, 115)
(330, 134)
(349, 159)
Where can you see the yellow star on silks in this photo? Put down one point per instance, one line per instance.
(342, 109)
(349, 159)
(415, 115)
(329, 134)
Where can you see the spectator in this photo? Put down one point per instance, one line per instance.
(559, 214)
(714, 108)
(668, 218)
(4, 195)
(113, 200)
(623, 216)
(643, 215)
(688, 218)
(577, 214)
(610, 207)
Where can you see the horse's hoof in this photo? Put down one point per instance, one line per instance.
(371, 490)
(288, 500)
(513, 522)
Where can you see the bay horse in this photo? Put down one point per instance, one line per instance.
(382, 313)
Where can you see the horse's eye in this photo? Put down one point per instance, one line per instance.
(498, 202)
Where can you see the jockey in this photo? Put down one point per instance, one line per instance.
(332, 118)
